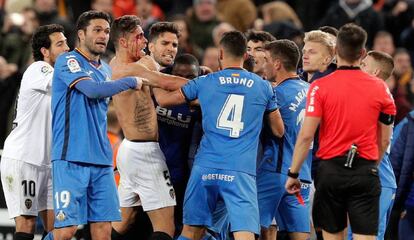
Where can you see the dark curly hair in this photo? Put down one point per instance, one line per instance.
(161, 27)
(41, 39)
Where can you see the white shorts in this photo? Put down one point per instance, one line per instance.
(27, 187)
(145, 179)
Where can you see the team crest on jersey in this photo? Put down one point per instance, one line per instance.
(9, 181)
(60, 216)
(46, 70)
(73, 65)
(28, 203)
(172, 193)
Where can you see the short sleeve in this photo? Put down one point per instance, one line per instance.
(272, 103)
(40, 75)
(191, 89)
(388, 105)
(314, 101)
(69, 70)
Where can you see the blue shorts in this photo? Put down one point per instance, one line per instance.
(385, 207)
(84, 193)
(275, 202)
(237, 190)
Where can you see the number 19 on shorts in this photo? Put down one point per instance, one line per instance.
(230, 117)
(62, 199)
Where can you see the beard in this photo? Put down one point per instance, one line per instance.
(94, 49)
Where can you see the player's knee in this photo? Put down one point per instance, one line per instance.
(65, 234)
(160, 236)
(120, 227)
(25, 224)
(23, 236)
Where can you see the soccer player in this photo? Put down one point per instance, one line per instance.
(84, 189)
(25, 164)
(355, 112)
(163, 43)
(282, 59)
(233, 102)
(176, 126)
(317, 55)
(381, 65)
(255, 47)
(145, 179)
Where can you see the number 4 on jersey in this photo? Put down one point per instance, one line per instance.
(231, 114)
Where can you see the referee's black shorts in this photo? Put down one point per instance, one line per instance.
(342, 192)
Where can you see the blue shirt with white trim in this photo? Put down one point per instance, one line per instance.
(278, 152)
(79, 122)
(232, 103)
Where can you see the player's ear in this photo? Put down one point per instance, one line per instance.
(151, 47)
(123, 42)
(363, 53)
(327, 60)
(277, 64)
(81, 34)
(377, 72)
(221, 53)
(45, 52)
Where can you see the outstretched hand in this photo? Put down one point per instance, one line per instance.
(150, 63)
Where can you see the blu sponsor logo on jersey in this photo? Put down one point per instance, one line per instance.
(168, 116)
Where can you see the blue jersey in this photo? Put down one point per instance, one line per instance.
(79, 122)
(386, 173)
(232, 102)
(278, 152)
(385, 170)
(175, 128)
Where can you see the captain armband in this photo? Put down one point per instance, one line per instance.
(386, 119)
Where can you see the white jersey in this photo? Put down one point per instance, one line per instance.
(30, 139)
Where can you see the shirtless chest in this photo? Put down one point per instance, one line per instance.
(136, 114)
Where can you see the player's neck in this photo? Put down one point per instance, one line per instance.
(343, 63)
(88, 54)
(231, 63)
(283, 75)
(123, 57)
(310, 74)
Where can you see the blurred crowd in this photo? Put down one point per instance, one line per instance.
(389, 23)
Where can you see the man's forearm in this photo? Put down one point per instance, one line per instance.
(383, 139)
(164, 81)
(301, 151)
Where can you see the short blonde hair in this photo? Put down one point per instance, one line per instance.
(322, 38)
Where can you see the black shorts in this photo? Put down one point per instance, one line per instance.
(342, 192)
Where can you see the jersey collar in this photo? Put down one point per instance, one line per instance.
(349, 68)
(96, 64)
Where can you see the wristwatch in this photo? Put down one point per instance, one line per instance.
(292, 175)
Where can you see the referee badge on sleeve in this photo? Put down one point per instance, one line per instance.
(73, 65)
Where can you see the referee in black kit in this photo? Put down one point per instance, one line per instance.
(355, 112)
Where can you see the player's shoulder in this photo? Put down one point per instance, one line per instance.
(69, 55)
(71, 61)
(39, 67)
(203, 77)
